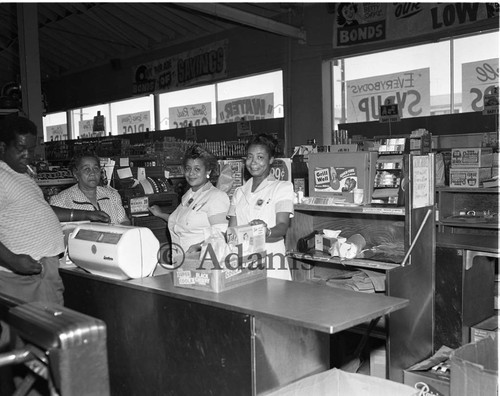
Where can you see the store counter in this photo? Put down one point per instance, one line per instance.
(244, 341)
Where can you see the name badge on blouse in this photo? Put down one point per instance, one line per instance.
(261, 203)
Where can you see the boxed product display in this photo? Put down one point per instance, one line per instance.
(474, 368)
(474, 157)
(218, 276)
(252, 239)
(486, 328)
(468, 177)
(337, 175)
(222, 266)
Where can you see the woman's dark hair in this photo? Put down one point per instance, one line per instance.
(13, 125)
(77, 160)
(198, 152)
(263, 139)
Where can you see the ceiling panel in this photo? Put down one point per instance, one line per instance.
(78, 36)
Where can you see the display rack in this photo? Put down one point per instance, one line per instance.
(407, 264)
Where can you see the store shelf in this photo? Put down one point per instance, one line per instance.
(358, 263)
(352, 208)
(55, 182)
(466, 210)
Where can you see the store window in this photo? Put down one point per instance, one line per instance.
(450, 76)
(249, 98)
(82, 121)
(116, 118)
(55, 127)
(194, 106)
(132, 115)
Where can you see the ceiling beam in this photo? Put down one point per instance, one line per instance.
(246, 18)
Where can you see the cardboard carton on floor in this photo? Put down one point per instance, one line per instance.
(474, 368)
(423, 377)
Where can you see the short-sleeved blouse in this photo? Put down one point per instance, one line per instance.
(108, 199)
(188, 221)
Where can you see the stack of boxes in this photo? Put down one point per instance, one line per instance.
(470, 166)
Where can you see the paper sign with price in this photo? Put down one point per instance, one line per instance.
(139, 205)
(389, 112)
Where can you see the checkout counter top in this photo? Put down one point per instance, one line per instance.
(316, 307)
(482, 243)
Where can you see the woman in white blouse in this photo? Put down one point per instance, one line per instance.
(201, 207)
(265, 200)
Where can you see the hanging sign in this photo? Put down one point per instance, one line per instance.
(389, 112)
(363, 23)
(203, 64)
(479, 79)
(193, 114)
(191, 134)
(248, 108)
(410, 90)
(133, 123)
(243, 129)
(491, 102)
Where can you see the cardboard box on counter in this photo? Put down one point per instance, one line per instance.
(474, 368)
(218, 277)
(472, 157)
(468, 177)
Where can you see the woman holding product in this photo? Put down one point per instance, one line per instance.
(201, 207)
(265, 200)
(87, 194)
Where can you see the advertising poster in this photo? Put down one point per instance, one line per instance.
(133, 123)
(363, 23)
(335, 180)
(203, 64)
(57, 132)
(194, 114)
(479, 78)
(410, 90)
(249, 108)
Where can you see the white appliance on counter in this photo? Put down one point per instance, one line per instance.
(114, 251)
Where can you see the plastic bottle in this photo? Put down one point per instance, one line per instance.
(300, 194)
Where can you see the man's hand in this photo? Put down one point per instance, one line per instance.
(25, 265)
(97, 215)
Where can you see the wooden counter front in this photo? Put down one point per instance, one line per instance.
(168, 340)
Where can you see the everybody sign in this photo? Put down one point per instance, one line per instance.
(410, 90)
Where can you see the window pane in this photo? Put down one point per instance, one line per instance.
(82, 120)
(180, 108)
(255, 97)
(55, 127)
(416, 78)
(476, 70)
(133, 115)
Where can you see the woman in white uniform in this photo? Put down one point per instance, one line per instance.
(265, 200)
(202, 206)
